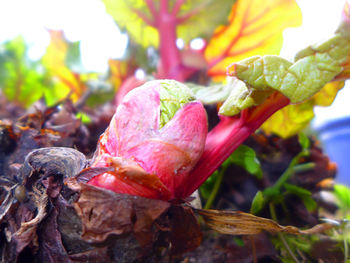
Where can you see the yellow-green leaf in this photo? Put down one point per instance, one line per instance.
(67, 82)
(194, 18)
(255, 28)
(327, 94)
(127, 14)
(292, 119)
(289, 120)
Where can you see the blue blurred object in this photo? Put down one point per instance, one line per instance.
(335, 136)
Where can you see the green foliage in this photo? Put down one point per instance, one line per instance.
(276, 193)
(21, 80)
(173, 95)
(303, 194)
(245, 157)
(314, 67)
(99, 92)
(342, 193)
(258, 203)
(83, 117)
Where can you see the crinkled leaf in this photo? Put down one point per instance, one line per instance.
(104, 213)
(314, 67)
(242, 97)
(305, 79)
(255, 28)
(196, 18)
(213, 94)
(173, 95)
(345, 74)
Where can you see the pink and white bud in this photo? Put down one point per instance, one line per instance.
(159, 130)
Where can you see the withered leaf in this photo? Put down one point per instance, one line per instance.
(26, 234)
(239, 223)
(104, 213)
(51, 161)
(185, 232)
(7, 202)
(50, 243)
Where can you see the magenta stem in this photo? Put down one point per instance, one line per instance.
(227, 136)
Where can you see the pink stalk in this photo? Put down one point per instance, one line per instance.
(169, 53)
(227, 136)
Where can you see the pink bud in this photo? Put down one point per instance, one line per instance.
(159, 130)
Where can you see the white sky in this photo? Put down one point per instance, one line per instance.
(84, 20)
(87, 21)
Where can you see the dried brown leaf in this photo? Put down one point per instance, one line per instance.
(26, 234)
(6, 203)
(104, 213)
(239, 223)
(50, 246)
(185, 232)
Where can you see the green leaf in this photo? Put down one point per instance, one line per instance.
(238, 241)
(204, 16)
(173, 95)
(304, 194)
(213, 94)
(314, 67)
(342, 194)
(304, 141)
(100, 92)
(245, 157)
(83, 117)
(22, 80)
(195, 18)
(208, 185)
(290, 120)
(258, 203)
(293, 118)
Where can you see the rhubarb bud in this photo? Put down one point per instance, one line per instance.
(159, 130)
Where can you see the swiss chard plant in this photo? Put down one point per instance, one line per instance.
(157, 149)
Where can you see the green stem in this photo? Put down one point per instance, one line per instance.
(346, 249)
(289, 172)
(304, 167)
(281, 235)
(216, 188)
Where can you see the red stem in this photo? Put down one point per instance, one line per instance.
(227, 136)
(169, 53)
